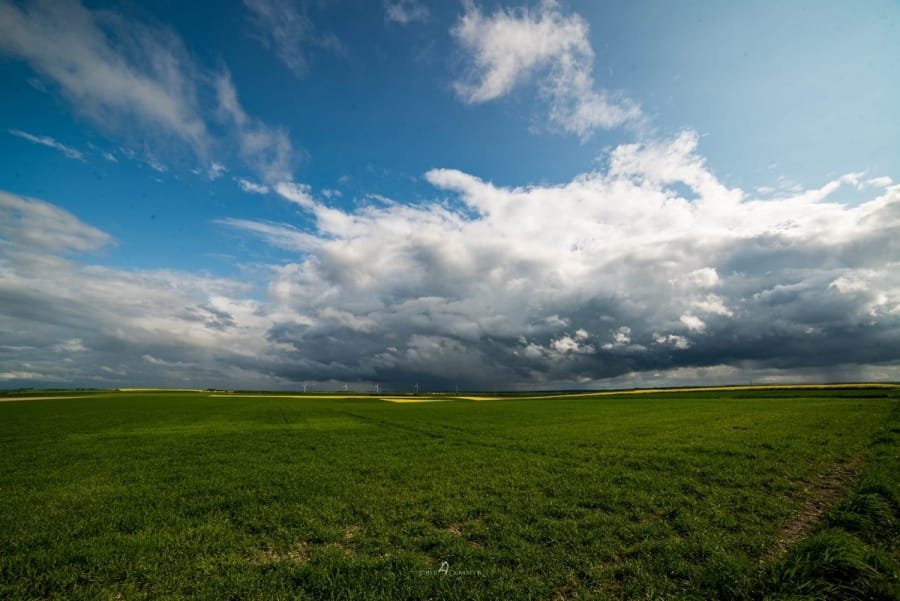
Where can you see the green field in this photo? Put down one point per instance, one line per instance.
(681, 495)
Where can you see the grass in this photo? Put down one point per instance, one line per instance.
(855, 551)
(682, 495)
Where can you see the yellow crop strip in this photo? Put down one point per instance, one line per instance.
(406, 399)
(710, 389)
(159, 389)
(296, 396)
(572, 395)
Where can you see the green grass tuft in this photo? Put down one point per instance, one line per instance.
(834, 564)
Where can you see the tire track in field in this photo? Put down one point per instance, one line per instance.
(831, 488)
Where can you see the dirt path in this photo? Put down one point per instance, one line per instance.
(822, 497)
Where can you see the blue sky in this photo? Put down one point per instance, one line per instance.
(551, 194)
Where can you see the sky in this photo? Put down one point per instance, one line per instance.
(268, 194)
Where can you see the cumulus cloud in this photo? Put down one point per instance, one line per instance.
(692, 322)
(285, 28)
(705, 277)
(620, 338)
(649, 271)
(510, 47)
(139, 82)
(537, 281)
(49, 142)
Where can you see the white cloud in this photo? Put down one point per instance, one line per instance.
(251, 187)
(621, 338)
(139, 82)
(296, 193)
(851, 283)
(692, 322)
(26, 376)
(285, 27)
(266, 149)
(556, 322)
(110, 157)
(111, 69)
(568, 344)
(31, 223)
(154, 164)
(541, 266)
(705, 277)
(215, 171)
(524, 286)
(277, 234)
(668, 162)
(879, 182)
(405, 11)
(48, 141)
(347, 319)
(679, 342)
(713, 304)
(533, 351)
(512, 46)
(101, 316)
